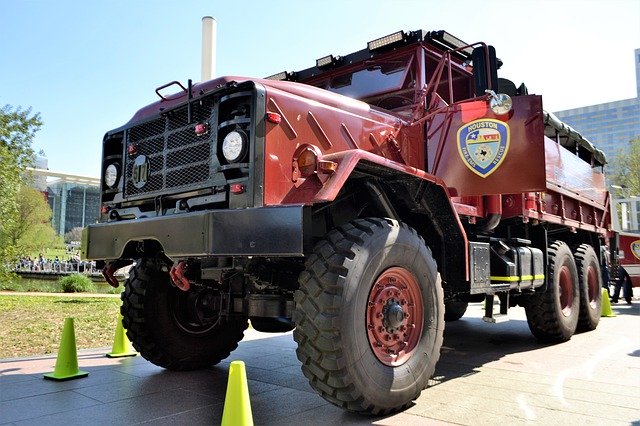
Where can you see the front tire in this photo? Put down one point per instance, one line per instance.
(369, 316)
(552, 315)
(166, 326)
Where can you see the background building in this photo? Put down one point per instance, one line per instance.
(610, 127)
(74, 200)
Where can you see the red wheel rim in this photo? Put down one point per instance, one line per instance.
(566, 291)
(593, 286)
(395, 316)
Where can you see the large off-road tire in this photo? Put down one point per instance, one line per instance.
(590, 279)
(164, 324)
(454, 310)
(369, 316)
(552, 315)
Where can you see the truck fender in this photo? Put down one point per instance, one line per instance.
(419, 193)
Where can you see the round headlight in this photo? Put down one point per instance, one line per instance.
(111, 175)
(234, 146)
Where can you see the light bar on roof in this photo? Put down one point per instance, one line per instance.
(386, 40)
(455, 42)
(325, 61)
(280, 76)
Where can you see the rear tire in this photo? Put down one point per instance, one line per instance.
(369, 316)
(590, 279)
(454, 310)
(552, 315)
(271, 325)
(163, 324)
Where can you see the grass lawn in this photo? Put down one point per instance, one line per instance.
(32, 325)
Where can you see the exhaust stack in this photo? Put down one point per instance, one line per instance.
(209, 28)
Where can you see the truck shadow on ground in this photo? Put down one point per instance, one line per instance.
(470, 343)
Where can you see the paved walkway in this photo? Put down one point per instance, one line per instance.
(488, 374)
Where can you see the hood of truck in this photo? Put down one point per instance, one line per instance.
(297, 89)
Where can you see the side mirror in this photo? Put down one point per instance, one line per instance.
(485, 77)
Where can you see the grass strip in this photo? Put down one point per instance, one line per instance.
(32, 325)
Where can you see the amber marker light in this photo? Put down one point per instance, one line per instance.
(325, 166)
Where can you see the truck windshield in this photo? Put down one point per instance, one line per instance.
(374, 79)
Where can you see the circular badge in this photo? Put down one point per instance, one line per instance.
(140, 172)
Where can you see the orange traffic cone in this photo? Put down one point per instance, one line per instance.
(121, 344)
(237, 407)
(67, 362)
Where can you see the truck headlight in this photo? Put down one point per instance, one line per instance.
(234, 146)
(111, 175)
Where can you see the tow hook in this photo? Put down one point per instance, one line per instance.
(177, 276)
(108, 273)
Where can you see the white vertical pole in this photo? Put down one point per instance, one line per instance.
(625, 220)
(209, 28)
(634, 203)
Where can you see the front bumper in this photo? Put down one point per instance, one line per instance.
(262, 231)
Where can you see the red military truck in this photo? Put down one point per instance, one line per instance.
(363, 201)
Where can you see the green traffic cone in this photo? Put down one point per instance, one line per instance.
(606, 310)
(67, 362)
(237, 407)
(121, 344)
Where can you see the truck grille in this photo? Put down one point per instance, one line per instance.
(176, 158)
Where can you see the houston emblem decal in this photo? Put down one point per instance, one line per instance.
(635, 249)
(483, 145)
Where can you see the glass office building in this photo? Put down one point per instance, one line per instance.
(609, 126)
(74, 200)
(73, 205)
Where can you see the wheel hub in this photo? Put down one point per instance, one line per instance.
(394, 316)
(566, 290)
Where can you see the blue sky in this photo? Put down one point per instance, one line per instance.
(87, 66)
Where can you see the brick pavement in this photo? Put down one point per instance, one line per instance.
(488, 374)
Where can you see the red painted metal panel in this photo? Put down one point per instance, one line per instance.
(565, 170)
(334, 124)
(522, 166)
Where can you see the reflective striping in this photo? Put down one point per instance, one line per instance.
(509, 279)
(517, 278)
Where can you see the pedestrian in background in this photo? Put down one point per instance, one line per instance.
(623, 282)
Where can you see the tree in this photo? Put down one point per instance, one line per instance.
(31, 228)
(626, 168)
(17, 128)
(73, 235)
